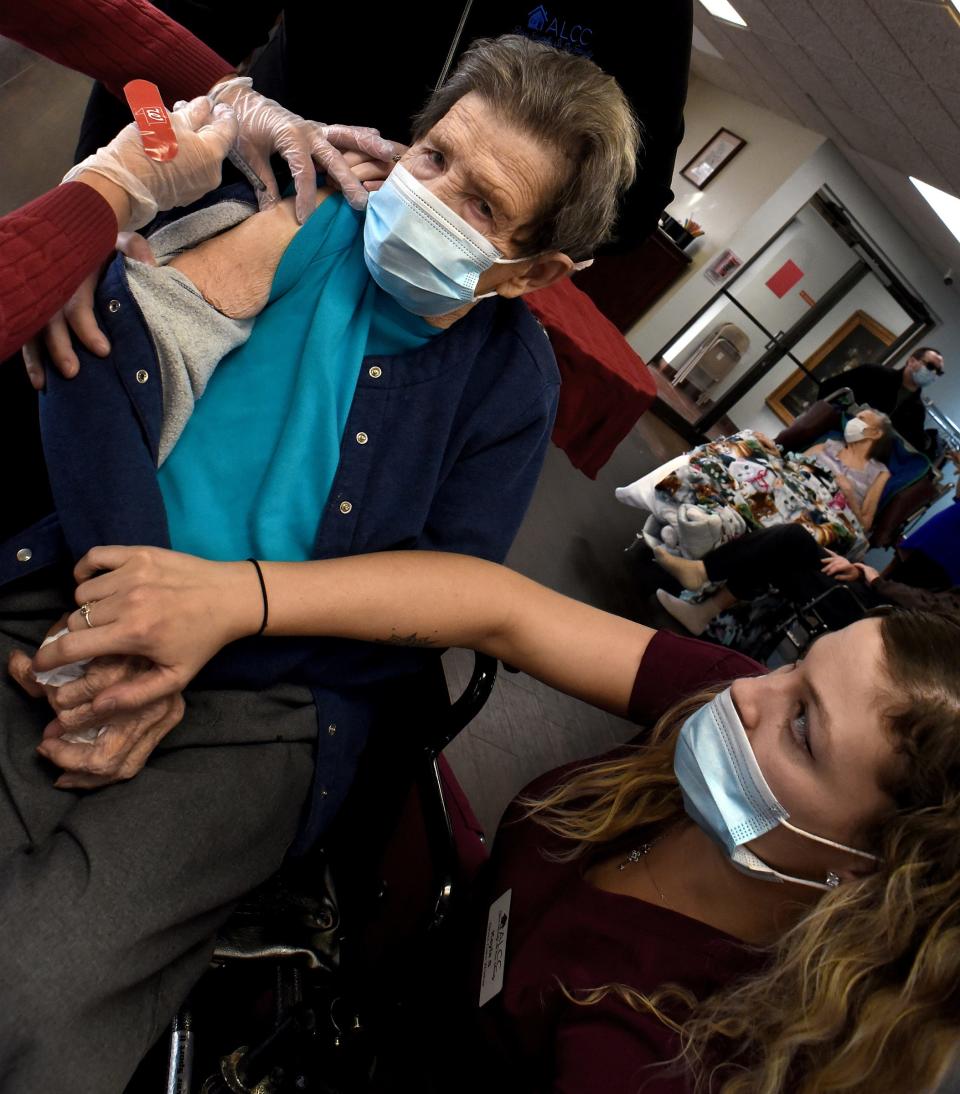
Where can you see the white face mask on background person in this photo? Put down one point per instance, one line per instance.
(725, 792)
(420, 251)
(854, 430)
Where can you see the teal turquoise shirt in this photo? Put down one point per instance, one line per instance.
(252, 470)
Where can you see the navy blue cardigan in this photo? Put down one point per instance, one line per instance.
(457, 430)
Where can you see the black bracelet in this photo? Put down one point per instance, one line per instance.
(263, 590)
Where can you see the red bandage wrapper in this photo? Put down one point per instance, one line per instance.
(153, 121)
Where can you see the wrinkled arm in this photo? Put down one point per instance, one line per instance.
(851, 495)
(872, 500)
(234, 270)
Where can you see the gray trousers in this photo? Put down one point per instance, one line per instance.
(110, 899)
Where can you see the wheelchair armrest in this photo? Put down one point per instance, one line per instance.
(810, 426)
(467, 707)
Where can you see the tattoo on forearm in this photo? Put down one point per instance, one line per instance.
(406, 640)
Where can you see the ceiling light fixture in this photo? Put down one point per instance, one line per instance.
(946, 206)
(723, 9)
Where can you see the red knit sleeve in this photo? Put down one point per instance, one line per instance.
(46, 249)
(116, 41)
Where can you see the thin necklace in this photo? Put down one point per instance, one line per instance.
(639, 854)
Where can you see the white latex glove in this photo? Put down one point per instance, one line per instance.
(205, 133)
(267, 127)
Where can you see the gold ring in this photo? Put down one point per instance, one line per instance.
(85, 612)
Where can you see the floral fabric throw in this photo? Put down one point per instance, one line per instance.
(742, 483)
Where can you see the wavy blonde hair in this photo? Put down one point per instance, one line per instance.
(862, 994)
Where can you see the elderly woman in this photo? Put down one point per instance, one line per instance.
(378, 401)
(765, 896)
(858, 463)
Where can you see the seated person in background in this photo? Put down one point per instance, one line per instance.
(858, 463)
(361, 413)
(726, 900)
(789, 559)
(896, 393)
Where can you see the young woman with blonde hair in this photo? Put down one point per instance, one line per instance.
(764, 896)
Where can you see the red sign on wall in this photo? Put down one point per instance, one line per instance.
(785, 278)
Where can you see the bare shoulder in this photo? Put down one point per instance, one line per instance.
(234, 271)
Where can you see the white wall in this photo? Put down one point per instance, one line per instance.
(825, 166)
(775, 148)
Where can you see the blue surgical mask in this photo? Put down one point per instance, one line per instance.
(725, 792)
(923, 376)
(421, 252)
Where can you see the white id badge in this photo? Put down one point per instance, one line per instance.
(495, 948)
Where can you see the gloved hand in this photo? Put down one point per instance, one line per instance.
(267, 127)
(370, 172)
(205, 133)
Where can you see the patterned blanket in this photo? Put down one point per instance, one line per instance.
(744, 482)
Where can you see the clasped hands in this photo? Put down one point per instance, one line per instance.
(128, 736)
(154, 619)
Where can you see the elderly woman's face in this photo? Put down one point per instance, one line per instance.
(486, 171)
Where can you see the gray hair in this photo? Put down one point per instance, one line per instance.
(569, 104)
(880, 449)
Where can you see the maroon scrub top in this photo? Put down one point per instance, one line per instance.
(564, 930)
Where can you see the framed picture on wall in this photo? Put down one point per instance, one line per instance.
(712, 158)
(860, 341)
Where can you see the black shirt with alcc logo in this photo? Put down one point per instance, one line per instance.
(376, 65)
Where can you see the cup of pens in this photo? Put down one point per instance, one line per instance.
(683, 234)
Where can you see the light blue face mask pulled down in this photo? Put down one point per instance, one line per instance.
(421, 252)
(725, 792)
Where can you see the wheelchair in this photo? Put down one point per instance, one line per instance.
(314, 978)
(777, 628)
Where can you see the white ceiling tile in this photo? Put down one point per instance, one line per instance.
(800, 59)
(948, 160)
(721, 34)
(812, 116)
(760, 19)
(718, 73)
(898, 150)
(917, 107)
(865, 37)
(950, 101)
(859, 94)
(702, 43)
(772, 100)
(807, 28)
(781, 64)
(730, 77)
(741, 51)
(928, 34)
(916, 216)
